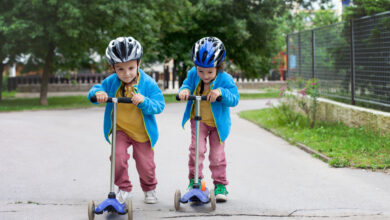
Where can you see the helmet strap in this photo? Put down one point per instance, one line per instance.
(201, 87)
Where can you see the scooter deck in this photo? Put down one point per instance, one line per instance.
(111, 205)
(196, 195)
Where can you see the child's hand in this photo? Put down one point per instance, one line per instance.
(213, 95)
(137, 98)
(184, 94)
(101, 97)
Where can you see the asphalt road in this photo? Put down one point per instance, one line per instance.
(52, 163)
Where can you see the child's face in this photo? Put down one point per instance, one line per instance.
(127, 71)
(206, 74)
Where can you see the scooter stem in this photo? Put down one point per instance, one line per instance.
(197, 118)
(113, 144)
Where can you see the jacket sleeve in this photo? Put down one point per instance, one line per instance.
(153, 102)
(189, 81)
(229, 92)
(103, 87)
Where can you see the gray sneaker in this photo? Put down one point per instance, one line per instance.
(150, 197)
(123, 196)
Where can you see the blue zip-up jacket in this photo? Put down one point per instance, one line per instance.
(221, 112)
(153, 103)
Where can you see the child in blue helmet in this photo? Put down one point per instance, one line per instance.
(136, 124)
(208, 78)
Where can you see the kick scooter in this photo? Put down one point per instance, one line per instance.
(111, 204)
(198, 194)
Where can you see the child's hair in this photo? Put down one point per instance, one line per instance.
(113, 66)
(221, 67)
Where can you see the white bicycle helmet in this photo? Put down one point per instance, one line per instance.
(123, 49)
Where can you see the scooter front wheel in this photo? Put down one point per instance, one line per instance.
(91, 210)
(177, 199)
(129, 207)
(212, 200)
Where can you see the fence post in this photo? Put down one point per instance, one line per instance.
(287, 55)
(313, 38)
(299, 54)
(166, 77)
(173, 77)
(352, 63)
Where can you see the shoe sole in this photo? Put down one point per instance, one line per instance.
(150, 201)
(220, 198)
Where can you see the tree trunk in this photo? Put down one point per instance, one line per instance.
(1, 78)
(46, 74)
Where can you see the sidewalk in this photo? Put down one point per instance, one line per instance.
(55, 162)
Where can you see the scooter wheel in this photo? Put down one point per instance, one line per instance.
(212, 199)
(177, 199)
(91, 210)
(129, 207)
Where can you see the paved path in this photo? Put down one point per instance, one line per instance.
(52, 163)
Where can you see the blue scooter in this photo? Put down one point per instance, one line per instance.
(111, 204)
(199, 193)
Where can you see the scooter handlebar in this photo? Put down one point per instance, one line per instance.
(203, 97)
(120, 99)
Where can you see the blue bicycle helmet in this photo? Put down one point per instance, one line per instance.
(208, 52)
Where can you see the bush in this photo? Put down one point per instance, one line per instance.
(306, 99)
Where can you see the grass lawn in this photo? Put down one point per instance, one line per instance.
(347, 147)
(10, 103)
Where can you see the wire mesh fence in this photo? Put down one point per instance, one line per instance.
(350, 60)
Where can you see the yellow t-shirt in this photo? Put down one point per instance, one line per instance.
(129, 117)
(205, 109)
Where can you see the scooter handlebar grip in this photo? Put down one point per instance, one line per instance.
(120, 100)
(93, 98)
(204, 97)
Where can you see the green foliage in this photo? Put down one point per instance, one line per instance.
(324, 17)
(62, 35)
(306, 99)
(361, 8)
(249, 30)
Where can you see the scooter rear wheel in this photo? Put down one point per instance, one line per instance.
(212, 200)
(129, 207)
(177, 199)
(91, 210)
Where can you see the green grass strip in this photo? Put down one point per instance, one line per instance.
(10, 103)
(347, 147)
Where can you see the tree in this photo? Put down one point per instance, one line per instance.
(361, 8)
(59, 34)
(248, 28)
(8, 47)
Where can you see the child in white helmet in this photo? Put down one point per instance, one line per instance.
(136, 124)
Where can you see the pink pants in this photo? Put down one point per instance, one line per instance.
(216, 154)
(144, 161)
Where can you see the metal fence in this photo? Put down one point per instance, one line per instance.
(350, 60)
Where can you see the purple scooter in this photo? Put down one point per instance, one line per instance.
(111, 204)
(199, 193)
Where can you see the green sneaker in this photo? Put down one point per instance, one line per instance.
(192, 181)
(220, 193)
